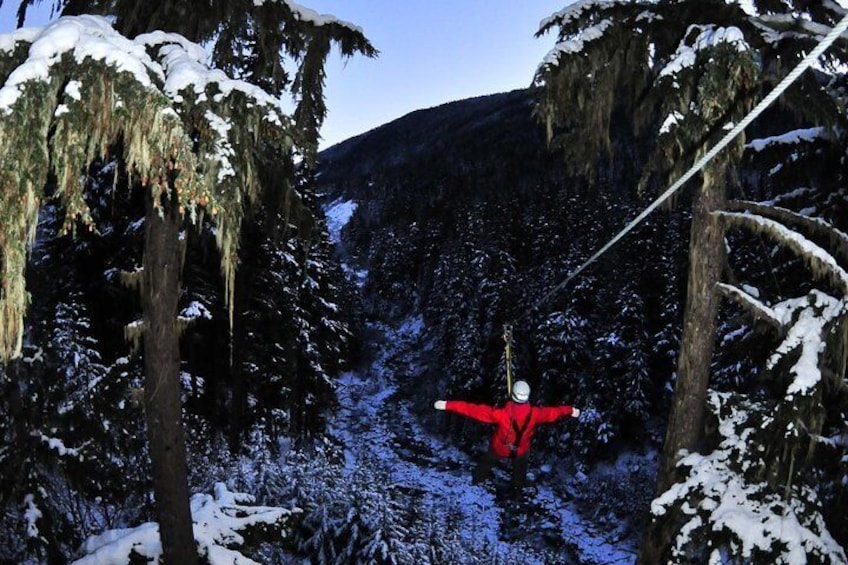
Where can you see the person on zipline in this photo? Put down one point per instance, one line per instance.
(516, 423)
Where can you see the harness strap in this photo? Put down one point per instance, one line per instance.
(508, 358)
(519, 432)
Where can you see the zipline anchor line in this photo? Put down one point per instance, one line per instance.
(793, 75)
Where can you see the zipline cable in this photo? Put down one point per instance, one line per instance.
(805, 63)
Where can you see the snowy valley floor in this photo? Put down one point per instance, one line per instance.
(375, 422)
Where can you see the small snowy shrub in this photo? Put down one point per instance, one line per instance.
(221, 522)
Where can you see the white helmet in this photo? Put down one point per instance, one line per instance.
(520, 392)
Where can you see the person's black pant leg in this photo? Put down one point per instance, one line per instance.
(484, 467)
(519, 472)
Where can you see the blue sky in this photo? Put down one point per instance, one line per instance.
(431, 52)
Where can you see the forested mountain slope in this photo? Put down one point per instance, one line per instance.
(474, 228)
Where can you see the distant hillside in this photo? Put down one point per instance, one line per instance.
(444, 141)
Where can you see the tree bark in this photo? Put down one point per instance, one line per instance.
(163, 407)
(706, 257)
(686, 420)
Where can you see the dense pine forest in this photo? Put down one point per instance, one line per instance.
(220, 345)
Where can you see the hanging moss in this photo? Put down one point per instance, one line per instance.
(597, 69)
(198, 143)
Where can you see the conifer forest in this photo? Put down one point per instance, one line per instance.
(222, 343)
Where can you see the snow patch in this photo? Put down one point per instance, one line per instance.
(338, 215)
(31, 516)
(575, 44)
(223, 151)
(757, 520)
(809, 316)
(670, 121)
(709, 37)
(72, 89)
(789, 138)
(217, 521)
(196, 310)
(309, 15)
(79, 36)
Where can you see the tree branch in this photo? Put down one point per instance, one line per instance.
(751, 305)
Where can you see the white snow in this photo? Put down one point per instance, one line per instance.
(747, 6)
(809, 317)
(25, 35)
(670, 121)
(710, 36)
(753, 517)
(218, 520)
(575, 44)
(223, 148)
(196, 310)
(789, 138)
(31, 516)
(800, 245)
(59, 445)
(183, 64)
(751, 300)
(338, 214)
(80, 36)
(72, 89)
(305, 14)
(573, 12)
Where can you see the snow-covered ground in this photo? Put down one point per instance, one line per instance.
(376, 422)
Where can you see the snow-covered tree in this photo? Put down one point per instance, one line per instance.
(684, 71)
(194, 139)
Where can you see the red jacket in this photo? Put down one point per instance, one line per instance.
(512, 420)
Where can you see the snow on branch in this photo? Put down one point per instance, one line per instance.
(750, 304)
(82, 37)
(219, 522)
(837, 239)
(709, 37)
(822, 263)
(184, 65)
(793, 137)
(573, 45)
(574, 13)
(809, 319)
(309, 15)
(722, 501)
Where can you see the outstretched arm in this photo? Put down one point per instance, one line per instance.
(479, 412)
(548, 414)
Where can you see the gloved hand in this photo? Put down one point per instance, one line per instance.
(575, 412)
(440, 405)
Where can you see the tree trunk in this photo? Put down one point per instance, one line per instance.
(686, 420)
(162, 266)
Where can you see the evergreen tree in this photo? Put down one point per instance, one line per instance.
(173, 140)
(695, 76)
